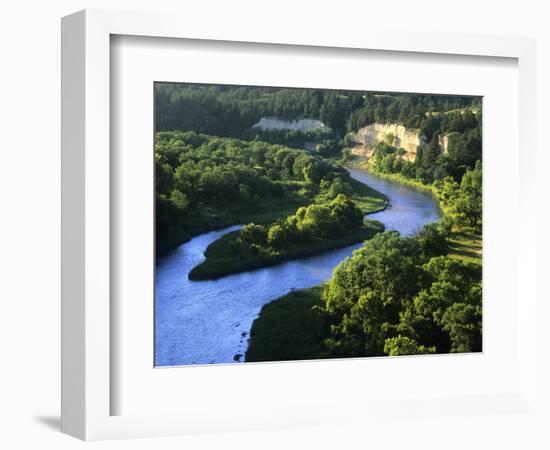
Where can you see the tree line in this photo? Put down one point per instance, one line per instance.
(205, 181)
(230, 111)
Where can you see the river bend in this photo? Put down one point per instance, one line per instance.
(207, 322)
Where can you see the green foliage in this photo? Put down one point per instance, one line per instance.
(433, 240)
(403, 345)
(365, 293)
(253, 234)
(206, 182)
(461, 129)
(471, 205)
(179, 199)
(414, 111)
(389, 298)
(319, 220)
(463, 323)
(463, 203)
(313, 229)
(232, 110)
(393, 296)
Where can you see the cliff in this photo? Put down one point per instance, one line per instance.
(275, 123)
(406, 138)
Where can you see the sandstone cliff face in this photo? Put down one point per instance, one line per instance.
(407, 139)
(275, 123)
(444, 142)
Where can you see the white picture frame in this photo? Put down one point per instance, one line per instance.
(87, 386)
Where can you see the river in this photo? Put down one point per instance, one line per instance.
(207, 322)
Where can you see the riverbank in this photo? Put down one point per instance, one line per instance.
(263, 211)
(369, 200)
(289, 328)
(227, 256)
(217, 313)
(295, 327)
(464, 244)
(211, 219)
(222, 260)
(278, 334)
(394, 177)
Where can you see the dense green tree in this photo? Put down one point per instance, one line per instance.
(317, 220)
(403, 345)
(253, 234)
(391, 297)
(365, 294)
(432, 240)
(179, 199)
(204, 180)
(471, 186)
(463, 323)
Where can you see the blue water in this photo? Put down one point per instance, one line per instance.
(208, 322)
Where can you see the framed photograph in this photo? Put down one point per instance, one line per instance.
(266, 230)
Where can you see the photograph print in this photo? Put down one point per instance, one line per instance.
(302, 224)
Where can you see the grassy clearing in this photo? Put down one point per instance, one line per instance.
(288, 329)
(466, 246)
(226, 256)
(368, 199)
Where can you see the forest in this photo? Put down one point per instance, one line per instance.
(206, 182)
(294, 197)
(231, 111)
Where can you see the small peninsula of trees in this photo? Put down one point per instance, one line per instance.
(312, 229)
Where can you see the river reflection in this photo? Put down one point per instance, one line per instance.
(207, 322)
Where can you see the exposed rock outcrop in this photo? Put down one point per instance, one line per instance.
(274, 123)
(397, 135)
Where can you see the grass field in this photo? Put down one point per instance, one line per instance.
(289, 329)
(466, 246)
(368, 199)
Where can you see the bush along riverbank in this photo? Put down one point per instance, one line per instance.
(312, 230)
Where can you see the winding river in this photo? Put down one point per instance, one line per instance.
(207, 322)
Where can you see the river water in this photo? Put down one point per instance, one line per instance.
(207, 322)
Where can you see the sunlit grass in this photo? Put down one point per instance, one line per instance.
(466, 246)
